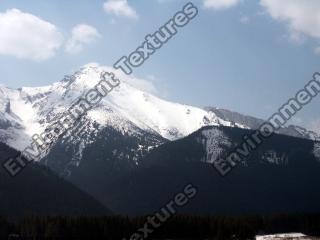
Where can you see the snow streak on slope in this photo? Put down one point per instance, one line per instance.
(31, 110)
(284, 236)
(215, 142)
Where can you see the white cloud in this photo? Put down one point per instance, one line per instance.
(148, 84)
(220, 4)
(24, 35)
(301, 16)
(82, 34)
(120, 8)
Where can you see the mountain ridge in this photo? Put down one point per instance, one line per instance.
(279, 177)
(130, 129)
(29, 110)
(255, 123)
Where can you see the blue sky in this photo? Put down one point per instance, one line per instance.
(247, 56)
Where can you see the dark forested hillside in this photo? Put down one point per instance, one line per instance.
(109, 155)
(178, 227)
(37, 190)
(282, 176)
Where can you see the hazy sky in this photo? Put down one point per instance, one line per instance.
(247, 56)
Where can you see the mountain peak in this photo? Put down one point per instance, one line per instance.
(126, 108)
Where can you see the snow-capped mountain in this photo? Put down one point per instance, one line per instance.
(28, 111)
(126, 131)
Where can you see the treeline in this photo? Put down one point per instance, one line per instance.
(179, 227)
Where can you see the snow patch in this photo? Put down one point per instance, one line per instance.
(286, 236)
(215, 142)
(274, 157)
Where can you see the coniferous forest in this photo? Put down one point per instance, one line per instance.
(178, 227)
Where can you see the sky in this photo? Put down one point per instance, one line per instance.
(248, 56)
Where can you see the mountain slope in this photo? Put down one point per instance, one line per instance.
(125, 151)
(280, 177)
(126, 110)
(32, 109)
(37, 190)
(140, 120)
